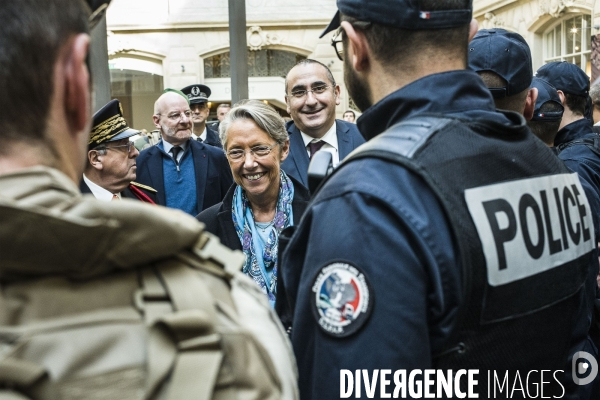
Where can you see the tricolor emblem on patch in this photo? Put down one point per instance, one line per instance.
(342, 299)
(424, 14)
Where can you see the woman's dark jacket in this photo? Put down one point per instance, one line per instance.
(219, 220)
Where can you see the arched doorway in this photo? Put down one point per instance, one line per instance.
(137, 84)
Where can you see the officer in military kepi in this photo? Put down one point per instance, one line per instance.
(111, 159)
(198, 96)
(433, 246)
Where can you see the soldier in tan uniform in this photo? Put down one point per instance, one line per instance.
(116, 299)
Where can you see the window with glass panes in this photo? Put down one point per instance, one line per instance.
(570, 40)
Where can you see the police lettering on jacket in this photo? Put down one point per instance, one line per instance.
(531, 225)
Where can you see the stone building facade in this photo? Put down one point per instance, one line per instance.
(155, 44)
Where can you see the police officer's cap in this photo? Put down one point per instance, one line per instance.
(566, 77)
(109, 125)
(546, 93)
(505, 54)
(406, 14)
(197, 93)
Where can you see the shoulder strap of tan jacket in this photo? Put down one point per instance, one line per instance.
(178, 303)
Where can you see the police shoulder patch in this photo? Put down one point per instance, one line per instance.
(342, 298)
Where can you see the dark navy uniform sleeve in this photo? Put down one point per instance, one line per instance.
(383, 221)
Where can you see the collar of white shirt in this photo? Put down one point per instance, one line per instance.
(202, 136)
(168, 146)
(99, 192)
(331, 143)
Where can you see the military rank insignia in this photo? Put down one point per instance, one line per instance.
(342, 299)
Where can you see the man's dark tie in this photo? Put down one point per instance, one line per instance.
(175, 151)
(313, 147)
(199, 139)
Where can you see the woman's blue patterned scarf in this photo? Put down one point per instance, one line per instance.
(261, 258)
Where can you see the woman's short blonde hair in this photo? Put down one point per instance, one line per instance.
(262, 114)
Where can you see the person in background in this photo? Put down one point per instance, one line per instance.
(111, 167)
(222, 110)
(188, 175)
(547, 113)
(264, 199)
(595, 98)
(311, 97)
(503, 61)
(349, 116)
(198, 96)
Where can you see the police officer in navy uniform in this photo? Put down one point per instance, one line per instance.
(198, 96)
(111, 166)
(573, 87)
(439, 243)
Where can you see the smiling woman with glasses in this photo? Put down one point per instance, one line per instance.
(264, 199)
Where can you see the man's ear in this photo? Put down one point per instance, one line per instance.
(285, 150)
(473, 28)
(357, 47)
(287, 103)
(156, 120)
(563, 99)
(95, 160)
(77, 85)
(532, 95)
(336, 92)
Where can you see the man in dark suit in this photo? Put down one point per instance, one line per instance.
(188, 174)
(111, 159)
(198, 96)
(311, 97)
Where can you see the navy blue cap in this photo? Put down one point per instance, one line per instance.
(505, 53)
(197, 94)
(566, 77)
(109, 125)
(406, 14)
(546, 93)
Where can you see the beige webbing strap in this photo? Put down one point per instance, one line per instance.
(200, 355)
(195, 371)
(152, 299)
(10, 395)
(20, 372)
(213, 249)
(196, 354)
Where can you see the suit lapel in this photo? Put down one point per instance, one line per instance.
(299, 155)
(344, 142)
(83, 187)
(198, 154)
(155, 169)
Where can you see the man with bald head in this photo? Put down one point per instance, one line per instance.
(188, 175)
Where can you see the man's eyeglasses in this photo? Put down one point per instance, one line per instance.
(176, 116)
(256, 151)
(337, 39)
(300, 93)
(337, 43)
(130, 146)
